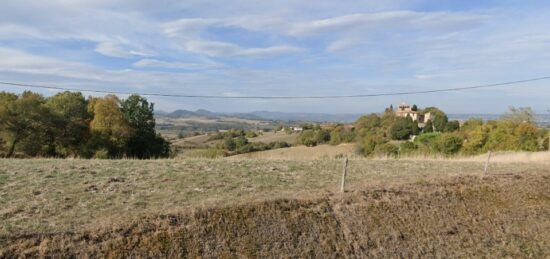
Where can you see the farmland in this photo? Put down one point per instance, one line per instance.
(229, 207)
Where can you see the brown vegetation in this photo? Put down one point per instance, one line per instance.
(502, 216)
(244, 208)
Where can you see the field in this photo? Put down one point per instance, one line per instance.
(275, 208)
(302, 153)
(268, 137)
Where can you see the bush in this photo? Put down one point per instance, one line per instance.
(401, 129)
(407, 147)
(322, 136)
(101, 154)
(452, 126)
(387, 150)
(449, 144)
(308, 138)
(229, 144)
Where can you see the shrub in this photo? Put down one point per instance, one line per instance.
(308, 138)
(407, 147)
(449, 144)
(452, 126)
(401, 129)
(322, 136)
(101, 154)
(229, 144)
(387, 150)
(428, 128)
(426, 142)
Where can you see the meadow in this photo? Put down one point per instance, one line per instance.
(273, 207)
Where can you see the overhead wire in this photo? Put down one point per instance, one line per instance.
(508, 83)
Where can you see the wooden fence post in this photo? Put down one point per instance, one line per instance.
(342, 188)
(486, 165)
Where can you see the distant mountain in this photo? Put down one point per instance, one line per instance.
(264, 115)
(301, 116)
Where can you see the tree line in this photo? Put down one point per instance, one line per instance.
(387, 134)
(70, 125)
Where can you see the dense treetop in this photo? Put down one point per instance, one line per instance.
(69, 125)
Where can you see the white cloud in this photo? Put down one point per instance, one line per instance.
(224, 49)
(118, 50)
(347, 22)
(187, 27)
(154, 63)
(270, 51)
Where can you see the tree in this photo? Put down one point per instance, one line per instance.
(308, 138)
(229, 144)
(322, 136)
(109, 126)
(452, 126)
(440, 119)
(368, 122)
(144, 143)
(402, 129)
(415, 129)
(69, 110)
(449, 144)
(519, 115)
(472, 124)
(21, 118)
(414, 107)
(428, 128)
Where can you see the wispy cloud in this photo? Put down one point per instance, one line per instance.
(224, 49)
(154, 63)
(275, 47)
(118, 50)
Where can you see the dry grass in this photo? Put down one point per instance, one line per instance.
(199, 141)
(268, 137)
(273, 208)
(302, 153)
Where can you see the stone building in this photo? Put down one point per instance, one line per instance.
(404, 110)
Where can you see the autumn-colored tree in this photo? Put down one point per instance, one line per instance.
(109, 125)
(23, 117)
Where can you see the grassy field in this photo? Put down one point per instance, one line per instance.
(258, 208)
(303, 153)
(268, 137)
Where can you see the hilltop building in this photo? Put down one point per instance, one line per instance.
(405, 110)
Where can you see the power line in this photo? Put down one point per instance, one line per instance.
(284, 97)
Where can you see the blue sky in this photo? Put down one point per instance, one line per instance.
(301, 47)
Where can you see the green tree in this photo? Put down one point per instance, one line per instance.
(69, 110)
(440, 119)
(402, 129)
(452, 126)
(415, 128)
(322, 136)
(308, 138)
(24, 121)
(472, 124)
(369, 122)
(144, 143)
(229, 144)
(428, 128)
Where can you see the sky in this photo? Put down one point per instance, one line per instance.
(283, 48)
